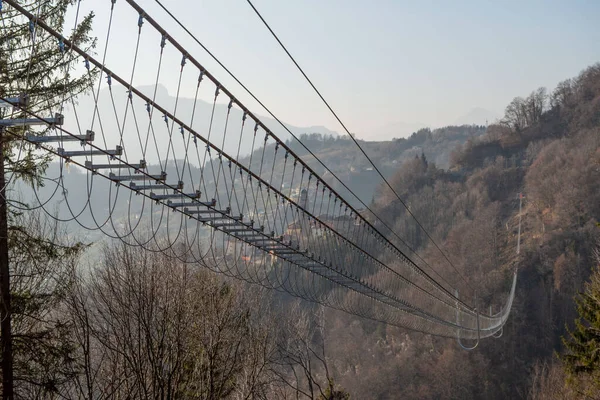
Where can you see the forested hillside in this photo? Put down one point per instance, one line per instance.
(345, 160)
(547, 147)
(105, 320)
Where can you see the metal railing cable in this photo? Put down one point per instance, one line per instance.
(254, 228)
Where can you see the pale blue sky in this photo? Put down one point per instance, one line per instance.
(377, 62)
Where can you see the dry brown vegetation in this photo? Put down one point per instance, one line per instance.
(548, 147)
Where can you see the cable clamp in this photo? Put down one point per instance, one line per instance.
(163, 41)
(141, 21)
(109, 80)
(183, 60)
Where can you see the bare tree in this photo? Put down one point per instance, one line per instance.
(522, 113)
(150, 326)
(302, 358)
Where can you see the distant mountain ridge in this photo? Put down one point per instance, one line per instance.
(163, 95)
(136, 127)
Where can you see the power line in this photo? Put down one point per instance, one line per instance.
(386, 225)
(355, 141)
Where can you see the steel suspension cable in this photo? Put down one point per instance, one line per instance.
(367, 207)
(177, 45)
(358, 144)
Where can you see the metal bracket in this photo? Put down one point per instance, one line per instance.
(20, 101)
(88, 137)
(57, 120)
(162, 177)
(77, 153)
(94, 167)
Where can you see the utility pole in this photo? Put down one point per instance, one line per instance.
(519, 233)
(5, 303)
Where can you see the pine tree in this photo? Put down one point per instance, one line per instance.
(34, 63)
(582, 356)
(333, 393)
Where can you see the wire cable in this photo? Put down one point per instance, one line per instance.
(385, 224)
(356, 143)
(345, 268)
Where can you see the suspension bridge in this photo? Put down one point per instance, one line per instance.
(217, 186)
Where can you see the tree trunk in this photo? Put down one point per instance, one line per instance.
(5, 308)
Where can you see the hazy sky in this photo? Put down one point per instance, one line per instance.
(380, 62)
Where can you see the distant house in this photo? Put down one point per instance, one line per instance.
(318, 230)
(294, 229)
